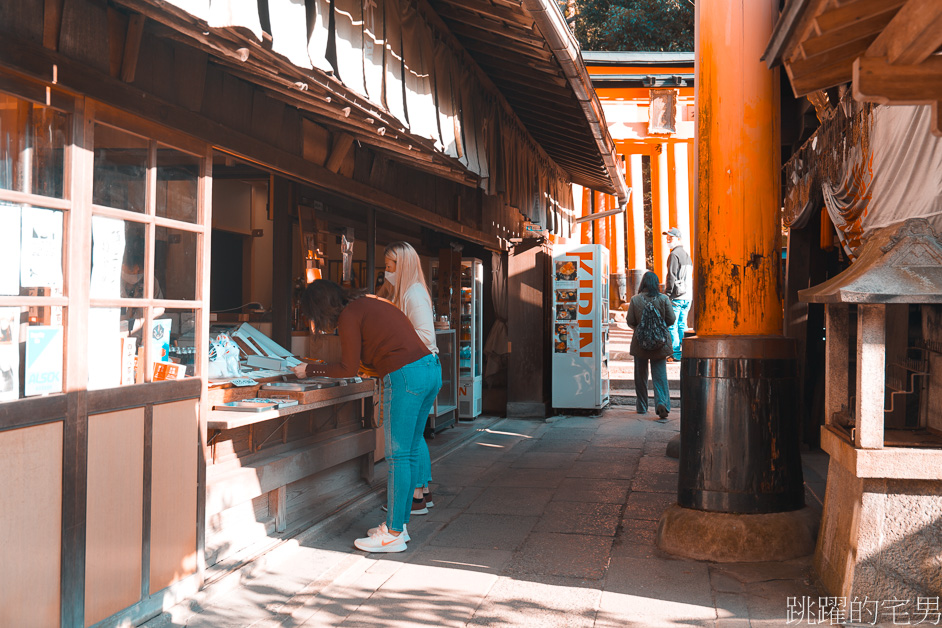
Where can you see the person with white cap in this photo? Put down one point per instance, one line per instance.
(677, 285)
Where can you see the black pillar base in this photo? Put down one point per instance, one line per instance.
(739, 425)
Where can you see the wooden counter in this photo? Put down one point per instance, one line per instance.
(231, 419)
(273, 473)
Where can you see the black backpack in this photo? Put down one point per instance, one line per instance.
(651, 331)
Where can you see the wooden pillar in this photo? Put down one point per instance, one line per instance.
(738, 234)
(739, 438)
(871, 367)
(585, 228)
(670, 161)
(370, 279)
(282, 195)
(660, 216)
(835, 364)
(681, 193)
(636, 252)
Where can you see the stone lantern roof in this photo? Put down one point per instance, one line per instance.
(900, 263)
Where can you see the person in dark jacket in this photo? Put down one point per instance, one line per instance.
(647, 293)
(678, 287)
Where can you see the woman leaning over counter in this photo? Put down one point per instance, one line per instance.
(376, 333)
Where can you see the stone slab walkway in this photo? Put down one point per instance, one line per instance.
(536, 523)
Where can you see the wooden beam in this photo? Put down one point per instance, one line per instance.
(913, 35)
(117, 26)
(342, 144)
(936, 122)
(877, 80)
(853, 13)
(867, 29)
(446, 8)
(132, 47)
(825, 70)
(52, 23)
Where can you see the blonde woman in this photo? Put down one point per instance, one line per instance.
(405, 286)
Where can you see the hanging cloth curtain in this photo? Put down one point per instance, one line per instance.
(393, 89)
(496, 346)
(230, 13)
(348, 38)
(374, 41)
(417, 65)
(900, 178)
(289, 31)
(318, 21)
(319, 34)
(445, 99)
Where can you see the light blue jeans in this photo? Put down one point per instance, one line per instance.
(408, 395)
(680, 306)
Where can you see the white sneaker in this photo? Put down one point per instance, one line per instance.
(382, 528)
(382, 541)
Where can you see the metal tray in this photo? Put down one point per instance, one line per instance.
(280, 402)
(246, 406)
(301, 385)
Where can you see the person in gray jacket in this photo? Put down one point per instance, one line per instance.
(678, 288)
(649, 292)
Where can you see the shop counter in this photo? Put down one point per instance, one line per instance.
(275, 472)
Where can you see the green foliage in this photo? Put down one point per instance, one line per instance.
(636, 25)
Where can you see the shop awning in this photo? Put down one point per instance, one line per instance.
(886, 49)
(521, 48)
(528, 51)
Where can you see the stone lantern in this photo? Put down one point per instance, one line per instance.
(881, 531)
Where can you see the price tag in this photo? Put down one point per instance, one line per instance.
(243, 382)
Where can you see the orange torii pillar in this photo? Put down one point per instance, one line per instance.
(637, 264)
(739, 456)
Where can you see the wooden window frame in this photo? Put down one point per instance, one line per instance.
(78, 209)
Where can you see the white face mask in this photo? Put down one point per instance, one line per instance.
(131, 278)
(390, 277)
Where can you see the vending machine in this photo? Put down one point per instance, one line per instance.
(580, 327)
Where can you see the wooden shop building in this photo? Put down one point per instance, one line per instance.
(172, 167)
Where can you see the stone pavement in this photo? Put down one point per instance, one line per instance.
(536, 523)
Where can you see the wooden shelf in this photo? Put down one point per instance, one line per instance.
(230, 419)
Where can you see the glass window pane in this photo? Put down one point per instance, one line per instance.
(30, 250)
(175, 272)
(117, 259)
(180, 347)
(177, 184)
(31, 351)
(115, 356)
(32, 147)
(120, 169)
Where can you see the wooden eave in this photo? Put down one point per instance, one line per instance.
(890, 51)
(505, 39)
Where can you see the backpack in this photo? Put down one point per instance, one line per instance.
(651, 331)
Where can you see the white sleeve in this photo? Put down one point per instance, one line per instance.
(417, 306)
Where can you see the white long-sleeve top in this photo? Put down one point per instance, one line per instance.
(417, 306)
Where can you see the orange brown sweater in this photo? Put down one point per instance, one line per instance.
(377, 334)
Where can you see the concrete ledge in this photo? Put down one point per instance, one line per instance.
(894, 463)
(729, 538)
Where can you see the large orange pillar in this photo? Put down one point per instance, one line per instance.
(739, 445)
(636, 251)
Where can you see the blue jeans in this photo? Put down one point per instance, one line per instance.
(659, 375)
(408, 396)
(680, 323)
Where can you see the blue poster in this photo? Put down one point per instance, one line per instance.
(43, 360)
